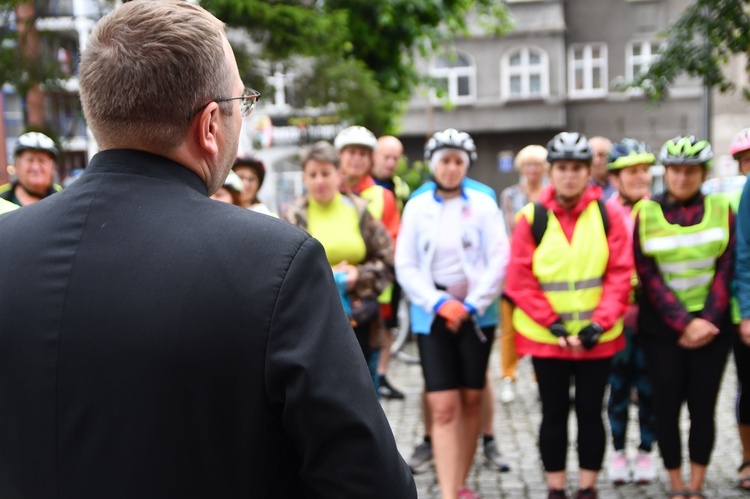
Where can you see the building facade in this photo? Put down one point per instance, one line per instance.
(558, 69)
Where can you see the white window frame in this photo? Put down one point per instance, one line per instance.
(525, 71)
(452, 74)
(645, 59)
(588, 63)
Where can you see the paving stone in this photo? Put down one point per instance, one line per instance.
(516, 427)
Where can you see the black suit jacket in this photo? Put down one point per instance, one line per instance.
(157, 344)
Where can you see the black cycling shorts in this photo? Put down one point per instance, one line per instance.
(454, 360)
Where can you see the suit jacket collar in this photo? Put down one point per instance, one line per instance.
(135, 162)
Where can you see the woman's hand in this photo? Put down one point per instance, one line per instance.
(745, 332)
(698, 333)
(352, 274)
(454, 313)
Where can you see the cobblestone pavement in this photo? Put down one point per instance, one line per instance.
(516, 427)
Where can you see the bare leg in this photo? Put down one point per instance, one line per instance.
(744, 431)
(697, 476)
(426, 415)
(488, 408)
(587, 478)
(675, 479)
(556, 479)
(385, 351)
(447, 434)
(470, 416)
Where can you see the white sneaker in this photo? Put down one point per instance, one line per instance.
(644, 471)
(507, 390)
(618, 468)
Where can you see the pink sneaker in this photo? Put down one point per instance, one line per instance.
(644, 472)
(467, 493)
(618, 468)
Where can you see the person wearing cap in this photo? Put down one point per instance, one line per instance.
(684, 253)
(35, 158)
(628, 166)
(450, 261)
(740, 150)
(569, 278)
(356, 146)
(231, 192)
(252, 172)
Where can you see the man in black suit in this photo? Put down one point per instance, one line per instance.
(155, 343)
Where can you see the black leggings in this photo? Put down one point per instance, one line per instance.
(590, 378)
(679, 375)
(742, 361)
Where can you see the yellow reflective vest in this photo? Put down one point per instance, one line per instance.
(686, 256)
(570, 274)
(376, 205)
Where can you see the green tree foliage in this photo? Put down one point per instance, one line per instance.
(363, 50)
(699, 43)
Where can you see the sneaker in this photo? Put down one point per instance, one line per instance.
(421, 459)
(467, 493)
(494, 458)
(387, 391)
(507, 390)
(618, 468)
(644, 471)
(557, 494)
(589, 493)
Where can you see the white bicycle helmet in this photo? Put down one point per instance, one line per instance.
(355, 136)
(570, 146)
(451, 138)
(35, 141)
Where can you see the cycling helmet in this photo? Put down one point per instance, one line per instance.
(355, 136)
(686, 150)
(630, 152)
(451, 138)
(740, 143)
(234, 183)
(35, 141)
(570, 146)
(253, 163)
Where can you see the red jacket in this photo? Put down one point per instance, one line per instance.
(523, 288)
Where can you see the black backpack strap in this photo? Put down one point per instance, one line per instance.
(539, 225)
(605, 215)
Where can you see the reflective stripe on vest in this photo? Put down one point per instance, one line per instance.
(570, 274)
(686, 256)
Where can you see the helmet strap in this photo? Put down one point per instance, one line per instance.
(441, 187)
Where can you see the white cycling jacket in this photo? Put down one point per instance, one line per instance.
(483, 246)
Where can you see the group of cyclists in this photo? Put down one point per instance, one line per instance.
(597, 280)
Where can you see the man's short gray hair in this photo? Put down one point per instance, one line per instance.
(147, 67)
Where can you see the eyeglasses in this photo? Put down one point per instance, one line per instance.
(248, 99)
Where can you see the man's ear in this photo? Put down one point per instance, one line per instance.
(208, 121)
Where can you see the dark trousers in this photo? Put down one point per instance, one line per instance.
(742, 361)
(590, 378)
(680, 375)
(628, 372)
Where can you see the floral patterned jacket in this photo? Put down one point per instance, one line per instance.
(376, 270)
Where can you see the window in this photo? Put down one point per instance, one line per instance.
(587, 70)
(524, 74)
(456, 78)
(639, 57)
